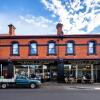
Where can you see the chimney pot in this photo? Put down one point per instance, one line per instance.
(11, 29)
(59, 29)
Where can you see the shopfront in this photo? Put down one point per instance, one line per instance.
(43, 69)
(82, 71)
(78, 71)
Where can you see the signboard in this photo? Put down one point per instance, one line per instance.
(83, 62)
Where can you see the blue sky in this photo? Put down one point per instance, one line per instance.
(39, 17)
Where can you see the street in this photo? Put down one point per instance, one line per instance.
(49, 93)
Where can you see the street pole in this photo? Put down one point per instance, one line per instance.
(28, 70)
(14, 72)
(1, 69)
(92, 78)
(76, 72)
(58, 48)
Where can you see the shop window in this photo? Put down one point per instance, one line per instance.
(33, 48)
(51, 48)
(15, 49)
(92, 47)
(70, 48)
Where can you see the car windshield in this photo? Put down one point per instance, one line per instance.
(22, 77)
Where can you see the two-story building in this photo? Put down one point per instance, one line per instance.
(50, 56)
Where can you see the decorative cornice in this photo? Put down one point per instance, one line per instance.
(50, 36)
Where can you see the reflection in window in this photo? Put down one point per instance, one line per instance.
(91, 48)
(33, 48)
(15, 48)
(70, 48)
(52, 49)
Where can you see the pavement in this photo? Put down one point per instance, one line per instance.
(93, 86)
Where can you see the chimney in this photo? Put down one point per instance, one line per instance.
(59, 29)
(11, 29)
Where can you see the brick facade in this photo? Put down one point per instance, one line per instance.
(80, 47)
(61, 58)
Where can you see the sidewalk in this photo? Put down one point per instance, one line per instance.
(94, 86)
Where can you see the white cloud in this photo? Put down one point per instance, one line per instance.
(28, 25)
(0, 27)
(37, 21)
(53, 15)
(69, 14)
(75, 15)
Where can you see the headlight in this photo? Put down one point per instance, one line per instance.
(39, 82)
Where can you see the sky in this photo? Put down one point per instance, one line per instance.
(39, 17)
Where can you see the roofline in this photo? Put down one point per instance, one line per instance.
(50, 36)
(50, 59)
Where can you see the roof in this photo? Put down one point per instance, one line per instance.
(7, 36)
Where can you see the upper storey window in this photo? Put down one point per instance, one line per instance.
(15, 48)
(33, 48)
(91, 47)
(70, 48)
(51, 48)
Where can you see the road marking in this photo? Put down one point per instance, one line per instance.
(97, 88)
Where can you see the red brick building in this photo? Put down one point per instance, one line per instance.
(51, 56)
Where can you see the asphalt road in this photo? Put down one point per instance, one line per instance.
(51, 93)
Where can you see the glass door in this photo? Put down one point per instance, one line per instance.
(53, 72)
(70, 73)
(84, 74)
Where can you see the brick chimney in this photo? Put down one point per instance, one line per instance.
(59, 29)
(11, 29)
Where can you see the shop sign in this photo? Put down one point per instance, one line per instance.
(83, 62)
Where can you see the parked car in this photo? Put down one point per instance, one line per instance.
(20, 81)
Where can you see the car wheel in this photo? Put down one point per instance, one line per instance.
(4, 86)
(32, 86)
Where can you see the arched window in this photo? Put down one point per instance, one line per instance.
(91, 47)
(15, 48)
(33, 48)
(52, 48)
(70, 47)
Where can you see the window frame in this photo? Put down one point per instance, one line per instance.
(48, 53)
(35, 54)
(73, 47)
(11, 51)
(94, 47)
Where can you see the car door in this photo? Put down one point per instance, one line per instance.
(22, 81)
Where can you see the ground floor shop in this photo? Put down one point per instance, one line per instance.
(78, 71)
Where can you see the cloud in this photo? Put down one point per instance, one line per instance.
(76, 15)
(0, 27)
(78, 18)
(4, 21)
(28, 24)
(40, 24)
(53, 15)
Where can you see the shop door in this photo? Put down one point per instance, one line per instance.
(98, 76)
(97, 67)
(53, 72)
(70, 73)
(60, 72)
(85, 74)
